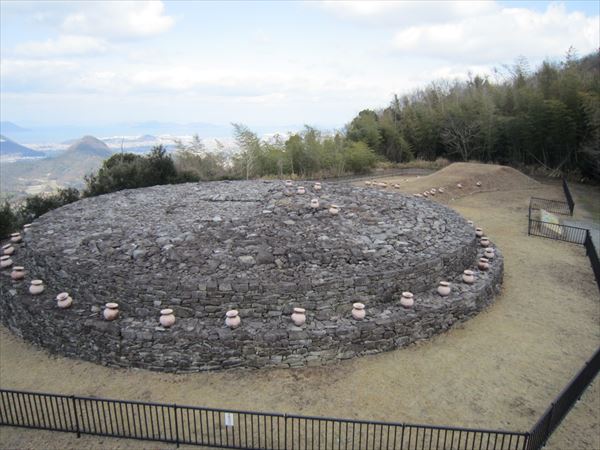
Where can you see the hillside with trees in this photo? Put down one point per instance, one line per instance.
(547, 118)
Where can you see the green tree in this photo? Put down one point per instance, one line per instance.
(364, 128)
(359, 158)
(8, 220)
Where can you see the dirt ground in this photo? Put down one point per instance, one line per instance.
(500, 369)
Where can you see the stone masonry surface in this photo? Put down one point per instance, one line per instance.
(255, 246)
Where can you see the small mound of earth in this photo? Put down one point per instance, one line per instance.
(492, 177)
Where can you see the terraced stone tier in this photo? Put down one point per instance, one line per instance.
(257, 247)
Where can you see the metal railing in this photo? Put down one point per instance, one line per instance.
(592, 253)
(568, 196)
(559, 232)
(232, 429)
(553, 206)
(559, 408)
(551, 230)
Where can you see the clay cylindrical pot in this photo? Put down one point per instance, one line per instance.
(468, 276)
(358, 311)
(16, 238)
(407, 300)
(470, 222)
(425, 194)
(8, 249)
(27, 227)
(484, 241)
(483, 264)
(288, 183)
(299, 316)
(18, 273)
(317, 187)
(478, 232)
(232, 318)
(444, 288)
(64, 300)
(478, 184)
(5, 262)
(314, 203)
(458, 185)
(441, 190)
(489, 253)
(301, 190)
(36, 287)
(111, 312)
(334, 209)
(433, 191)
(167, 318)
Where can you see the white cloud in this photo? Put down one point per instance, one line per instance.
(118, 19)
(501, 37)
(403, 13)
(105, 21)
(67, 45)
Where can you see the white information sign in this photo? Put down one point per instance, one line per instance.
(228, 419)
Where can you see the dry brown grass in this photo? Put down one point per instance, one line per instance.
(499, 370)
(492, 177)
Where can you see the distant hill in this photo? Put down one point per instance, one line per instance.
(88, 146)
(66, 169)
(9, 127)
(10, 149)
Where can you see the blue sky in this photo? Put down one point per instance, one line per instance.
(261, 63)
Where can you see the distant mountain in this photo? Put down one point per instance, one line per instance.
(10, 149)
(9, 127)
(66, 169)
(88, 146)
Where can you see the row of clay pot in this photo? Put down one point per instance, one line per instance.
(460, 186)
(314, 203)
(441, 190)
(431, 192)
(301, 189)
(18, 273)
(333, 209)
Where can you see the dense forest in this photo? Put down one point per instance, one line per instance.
(549, 118)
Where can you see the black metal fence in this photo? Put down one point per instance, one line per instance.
(553, 206)
(592, 253)
(568, 196)
(551, 230)
(559, 408)
(220, 428)
(559, 232)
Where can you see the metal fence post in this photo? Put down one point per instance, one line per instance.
(547, 431)
(285, 427)
(525, 441)
(75, 412)
(176, 425)
(529, 220)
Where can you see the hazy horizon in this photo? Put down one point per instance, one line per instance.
(71, 68)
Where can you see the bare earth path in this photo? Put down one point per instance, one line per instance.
(499, 370)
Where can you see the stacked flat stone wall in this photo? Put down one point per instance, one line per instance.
(258, 247)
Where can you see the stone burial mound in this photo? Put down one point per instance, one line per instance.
(230, 264)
